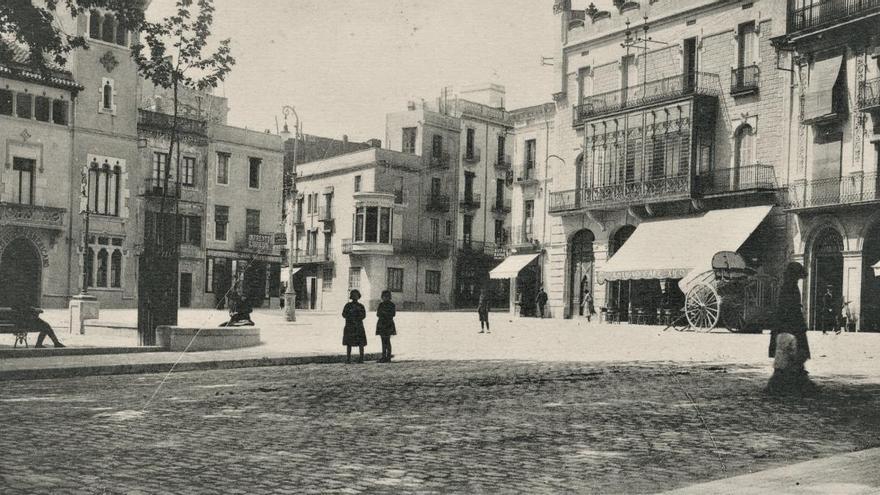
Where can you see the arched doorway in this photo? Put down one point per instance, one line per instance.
(581, 269)
(869, 320)
(826, 272)
(21, 273)
(744, 144)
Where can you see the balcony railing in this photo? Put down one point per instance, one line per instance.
(488, 248)
(437, 202)
(301, 257)
(869, 95)
(470, 201)
(164, 122)
(852, 189)
(473, 156)
(501, 206)
(32, 215)
(325, 214)
(399, 194)
(744, 80)
(523, 237)
(503, 163)
(727, 180)
(527, 174)
(822, 12)
(158, 187)
(427, 249)
(439, 161)
(650, 93)
(628, 193)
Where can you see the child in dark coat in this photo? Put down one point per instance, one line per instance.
(483, 311)
(354, 334)
(385, 325)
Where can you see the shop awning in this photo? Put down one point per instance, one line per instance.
(511, 266)
(819, 98)
(295, 269)
(672, 248)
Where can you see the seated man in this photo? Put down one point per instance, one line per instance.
(28, 318)
(239, 311)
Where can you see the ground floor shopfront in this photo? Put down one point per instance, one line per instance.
(633, 268)
(258, 277)
(840, 248)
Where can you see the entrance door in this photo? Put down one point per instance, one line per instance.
(869, 320)
(186, 287)
(20, 273)
(581, 274)
(827, 273)
(222, 281)
(312, 284)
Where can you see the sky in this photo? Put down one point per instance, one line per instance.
(344, 65)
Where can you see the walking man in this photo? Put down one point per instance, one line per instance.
(541, 301)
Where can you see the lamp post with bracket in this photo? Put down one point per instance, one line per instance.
(84, 306)
(289, 200)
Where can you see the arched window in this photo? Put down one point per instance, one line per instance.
(107, 28)
(114, 192)
(121, 35)
(94, 176)
(743, 146)
(103, 268)
(95, 25)
(103, 188)
(116, 269)
(88, 264)
(582, 172)
(107, 96)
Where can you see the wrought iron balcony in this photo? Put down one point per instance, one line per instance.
(325, 214)
(503, 163)
(158, 188)
(470, 201)
(650, 93)
(869, 95)
(853, 189)
(488, 248)
(399, 194)
(501, 206)
(426, 249)
(472, 156)
(523, 238)
(528, 175)
(440, 161)
(622, 194)
(32, 216)
(301, 257)
(163, 123)
(745, 80)
(741, 179)
(437, 202)
(823, 12)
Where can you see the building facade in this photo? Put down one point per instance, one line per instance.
(367, 220)
(832, 49)
(670, 118)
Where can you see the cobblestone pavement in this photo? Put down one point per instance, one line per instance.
(420, 426)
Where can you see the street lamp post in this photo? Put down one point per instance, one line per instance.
(84, 306)
(290, 294)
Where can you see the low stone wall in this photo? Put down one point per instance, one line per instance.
(177, 339)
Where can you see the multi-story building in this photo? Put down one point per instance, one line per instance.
(832, 49)
(244, 176)
(39, 178)
(464, 141)
(370, 220)
(533, 133)
(667, 114)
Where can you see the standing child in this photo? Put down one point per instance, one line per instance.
(385, 325)
(354, 334)
(483, 311)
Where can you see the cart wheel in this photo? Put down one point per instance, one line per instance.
(735, 321)
(702, 306)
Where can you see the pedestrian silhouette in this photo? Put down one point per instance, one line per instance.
(354, 334)
(385, 327)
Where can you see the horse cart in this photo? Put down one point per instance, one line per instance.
(730, 294)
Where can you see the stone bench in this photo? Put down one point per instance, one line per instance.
(176, 339)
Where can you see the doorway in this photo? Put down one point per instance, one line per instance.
(826, 273)
(869, 320)
(581, 271)
(21, 273)
(186, 287)
(312, 287)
